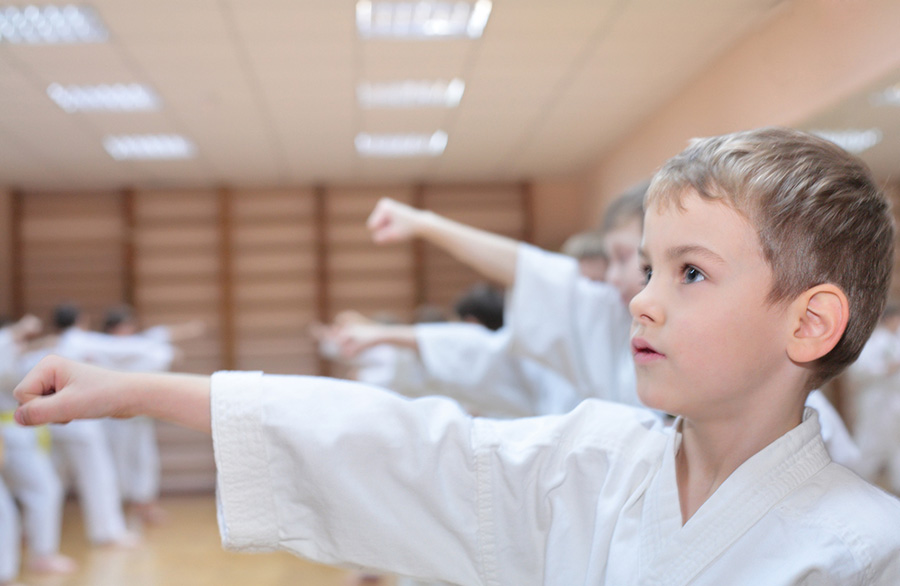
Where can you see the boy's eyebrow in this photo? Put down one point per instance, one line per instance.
(689, 249)
(685, 250)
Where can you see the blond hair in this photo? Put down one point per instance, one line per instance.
(818, 213)
(587, 244)
(626, 207)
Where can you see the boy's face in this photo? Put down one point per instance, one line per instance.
(704, 337)
(624, 269)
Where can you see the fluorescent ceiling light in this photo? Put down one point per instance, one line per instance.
(40, 25)
(411, 94)
(117, 97)
(149, 146)
(852, 141)
(888, 97)
(421, 20)
(401, 145)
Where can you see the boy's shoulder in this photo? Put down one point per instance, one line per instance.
(629, 434)
(841, 505)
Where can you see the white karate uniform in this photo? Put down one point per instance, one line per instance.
(876, 397)
(133, 441)
(31, 477)
(474, 366)
(402, 371)
(29, 473)
(579, 328)
(10, 536)
(343, 474)
(82, 447)
(582, 330)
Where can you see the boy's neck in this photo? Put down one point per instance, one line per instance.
(711, 450)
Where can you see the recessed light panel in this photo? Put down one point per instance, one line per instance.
(852, 141)
(411, 94)
(119, 97)
(421, 20)
(49, 24)
(401, 145)
(149, 146)
(887, 97)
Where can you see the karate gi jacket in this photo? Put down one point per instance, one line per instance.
(343, 474)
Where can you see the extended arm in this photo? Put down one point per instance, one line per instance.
(59, 390)
(492, 255)
(354, 338)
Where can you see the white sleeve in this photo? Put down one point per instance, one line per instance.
(472, 364)
(343, 473)
(579, 328)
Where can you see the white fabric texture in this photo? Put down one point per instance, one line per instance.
(10, 536)
(32, 479)
(81, 448)
(577, 327)
(342, 473)
(475, 366)
(28, 472)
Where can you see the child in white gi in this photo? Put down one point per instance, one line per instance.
(82, 448)
(10, 536)
(767, 256)
(474, 365)
(575, 327)
(29, 473)
(133, 441)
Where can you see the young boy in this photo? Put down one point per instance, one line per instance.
(767, 254)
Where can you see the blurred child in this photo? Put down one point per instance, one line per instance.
(10, 534)
(81, 447)
(133, 441)
(749, 304)
(29, 473)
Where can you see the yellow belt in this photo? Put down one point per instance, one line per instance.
(43, 434)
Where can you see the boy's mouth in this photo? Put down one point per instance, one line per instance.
(643, 352)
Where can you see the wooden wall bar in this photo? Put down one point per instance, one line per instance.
(256, 266)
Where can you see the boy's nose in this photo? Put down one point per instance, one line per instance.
(644, 306)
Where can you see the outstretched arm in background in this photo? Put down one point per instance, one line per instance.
(58, 390)
(492, 255)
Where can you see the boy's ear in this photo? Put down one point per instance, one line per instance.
(819, 317)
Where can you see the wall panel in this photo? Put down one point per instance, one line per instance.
(502, 209)
(71, 251)
(274, 271)
(176, 269)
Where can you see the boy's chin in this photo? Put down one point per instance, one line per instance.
(653, 397)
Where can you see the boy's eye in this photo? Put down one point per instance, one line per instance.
(648, 272)
(692, 274)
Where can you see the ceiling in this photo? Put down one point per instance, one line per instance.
(266, 89)
(866, 110)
